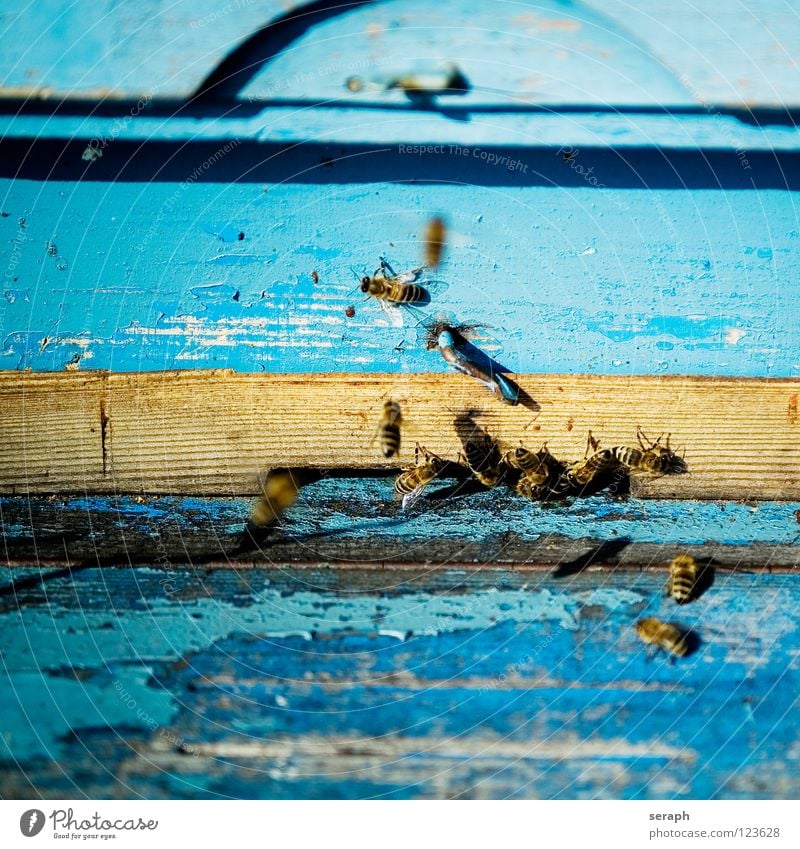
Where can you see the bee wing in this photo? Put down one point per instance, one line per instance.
(411, 498)
(393, 312)
(410, 276)
(435, 288)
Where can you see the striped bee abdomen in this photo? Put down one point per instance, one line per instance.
(682, 578)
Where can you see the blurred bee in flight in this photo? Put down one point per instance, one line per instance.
(433, 241)
(411, 483)
(665, 636)
(278, 492)
(448, 80)
(683, 578)
(389, 428)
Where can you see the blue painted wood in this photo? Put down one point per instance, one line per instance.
(588, 248)
(128, 276)
(359, 520)
(133, 48)
(589, 52)
(310, 684)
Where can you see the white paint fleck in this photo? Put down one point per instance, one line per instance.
(734, 334)
(90, 154)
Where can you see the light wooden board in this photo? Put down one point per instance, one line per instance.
(212, 431)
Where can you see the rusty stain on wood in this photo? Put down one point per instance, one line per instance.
(212, 431)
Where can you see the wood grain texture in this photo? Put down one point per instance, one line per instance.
(437, 684)
(212, 431)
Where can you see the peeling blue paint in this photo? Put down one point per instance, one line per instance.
(640, 304)
(353, 507)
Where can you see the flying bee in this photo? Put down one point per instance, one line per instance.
(279, 488)
(664, 635)
(435, 234)
(389, 428)
(683, 575)
(394, 288)
(411, 482)
(449, 79)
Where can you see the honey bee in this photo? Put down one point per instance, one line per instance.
(480, 452)
(650, 458)
(683, 575)
(279, 488)
(540, 471)
(411, 483)
(435, 233)
(484, 462)
(664, 635)
(653, 458)
(389, 428)
(394, 288)
(449, 79)
(583, 472)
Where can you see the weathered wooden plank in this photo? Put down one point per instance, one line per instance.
(211, 432)
(597, 53)
(53, 432)
(560, 288)
(147, 48)
(314, 683)
(350, 522)
(154, 276)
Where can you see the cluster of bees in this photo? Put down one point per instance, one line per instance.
(534, 475)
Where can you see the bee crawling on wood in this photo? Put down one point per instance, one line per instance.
(480, 452)
(666, 636)
(539, 471)
(411, 482)
(651, 457)
(683, 578)
(596, 461)
(394, 288)
(389, 428)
